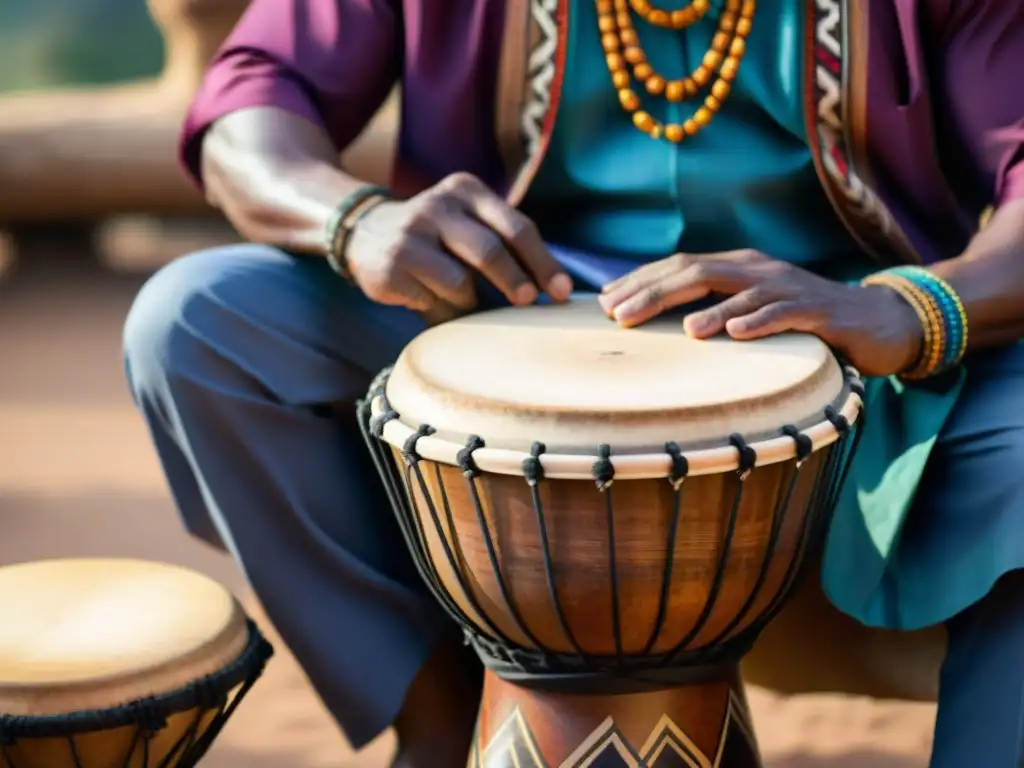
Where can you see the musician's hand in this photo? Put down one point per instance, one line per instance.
(421, 253)
(873, 327)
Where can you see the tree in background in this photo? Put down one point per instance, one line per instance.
(48, 43)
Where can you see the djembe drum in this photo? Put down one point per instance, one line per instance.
(118, 664)
(612, 515)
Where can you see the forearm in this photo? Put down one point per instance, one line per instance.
(275, 176)
(989, 277)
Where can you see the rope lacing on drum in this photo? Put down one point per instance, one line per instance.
(8, 727)
(533, 470)
(513, 656)
(409, 451)
(804, 444)
(748, 456)
(747, 461)
(207, 695)
(377, 423)
(678, 470)
(856, 382)
(465, 456)
(840, 422)
(604, 475)
(679, 466)
(470, 471)
(150, 720)
(603, 469)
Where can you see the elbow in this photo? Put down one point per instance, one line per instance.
(230, 184)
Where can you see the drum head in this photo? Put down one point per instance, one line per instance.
(90, 634)
(568, 376)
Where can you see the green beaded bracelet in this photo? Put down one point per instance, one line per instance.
(342, 221)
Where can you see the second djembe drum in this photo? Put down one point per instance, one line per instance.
(612, 515)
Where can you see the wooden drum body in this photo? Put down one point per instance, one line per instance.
(118, 664)
(613, 515)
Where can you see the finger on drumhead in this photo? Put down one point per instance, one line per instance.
(711, 321)
(524, 241)
(643, 275)
(628, 287)
(777, 317)
(443, 275)
(678, 288)
(478, 246)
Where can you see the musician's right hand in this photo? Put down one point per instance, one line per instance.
(422, 252)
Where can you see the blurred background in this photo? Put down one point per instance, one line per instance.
(42, 45)
(91, 201)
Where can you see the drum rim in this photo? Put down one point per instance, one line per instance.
(207, 692)
(702, 460)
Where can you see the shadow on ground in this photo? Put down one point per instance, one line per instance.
(857, 759)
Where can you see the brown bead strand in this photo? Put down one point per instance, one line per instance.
(680, 19)
(622, 51)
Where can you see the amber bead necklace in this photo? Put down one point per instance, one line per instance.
(720, 64)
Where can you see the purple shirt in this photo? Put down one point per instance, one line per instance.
(942, 79)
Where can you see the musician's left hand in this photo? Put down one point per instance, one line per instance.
(873, 327)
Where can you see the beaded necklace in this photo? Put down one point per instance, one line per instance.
(622, 49)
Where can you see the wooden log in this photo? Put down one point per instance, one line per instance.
(88, 153)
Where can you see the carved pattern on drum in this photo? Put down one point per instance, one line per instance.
(668, 746)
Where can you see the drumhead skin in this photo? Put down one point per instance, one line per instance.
(90, 634)
(571, 378)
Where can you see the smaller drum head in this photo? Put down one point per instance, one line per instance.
(78, 635)
(568, 376)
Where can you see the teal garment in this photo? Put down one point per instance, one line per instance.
(619, 198)
(747, 181)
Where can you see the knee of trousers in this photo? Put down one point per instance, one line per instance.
(194, 318)
(254, 318)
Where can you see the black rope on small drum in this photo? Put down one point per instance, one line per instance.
(678, 470)
(747, 461)
(604, 475)
(73, 749)
(149, 722)
(533, 471)
(225, 710)
(211, 699)
(412, 462)
(7, 740)
(804, 448)
(187, 739)
(471, 472)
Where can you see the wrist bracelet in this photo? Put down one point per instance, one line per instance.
(339, 227)
(950, 306)
(941, 313)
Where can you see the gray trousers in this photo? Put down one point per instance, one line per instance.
(246, 362)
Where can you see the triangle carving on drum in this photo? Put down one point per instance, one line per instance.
(668, 746)
(513, 746)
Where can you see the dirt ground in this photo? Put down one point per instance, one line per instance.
(77, 477)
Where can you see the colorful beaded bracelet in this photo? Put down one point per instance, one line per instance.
(941, 313)
(952, 308)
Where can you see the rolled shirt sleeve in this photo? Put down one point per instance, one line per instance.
(330, 61)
